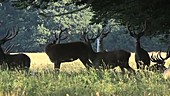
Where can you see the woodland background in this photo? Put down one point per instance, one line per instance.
(36, 30)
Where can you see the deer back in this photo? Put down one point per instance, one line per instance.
(67, 51)
(115, 57)
(21, 61)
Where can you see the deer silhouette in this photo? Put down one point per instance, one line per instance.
(110, 59)
(142, 58)
(160, 62)
(67, 52)
(15, 61)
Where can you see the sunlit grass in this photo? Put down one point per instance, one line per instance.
(41, 61)
(83, 83)
(75, 80)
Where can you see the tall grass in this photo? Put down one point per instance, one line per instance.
(84, 83)
(75, 80)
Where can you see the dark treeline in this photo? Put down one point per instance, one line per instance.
(35, 31)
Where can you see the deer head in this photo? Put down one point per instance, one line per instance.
(104, 33)
(140, 54)
(61, 36)
(141, 30)
(15, 61)
(92, 37)
(158, 59)
(10, 35)
(89, 38)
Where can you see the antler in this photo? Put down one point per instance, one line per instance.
(59, 37)
(131, 29)
(93, 36)
(87, 37)
(10, 35)
(83, 35)
(167, 55)
(158, 58)
(143, 26)
(105, 31)
(8, 48)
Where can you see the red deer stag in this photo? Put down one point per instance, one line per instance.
(142, 58)
(160, 62)
(15, 61)
(109, 59)
(67, 52)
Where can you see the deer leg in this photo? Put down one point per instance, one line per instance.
(140, 65)
(96, 63)
(137, 65)
(26, 69)
(27, 66)
(123, 70)
(57, 66)
(130, 69)
(86, 63)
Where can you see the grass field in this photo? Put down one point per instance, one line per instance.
(41, 61)
(74, 80)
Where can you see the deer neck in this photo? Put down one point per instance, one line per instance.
(48, 46)
(93, 53)
(138, 46)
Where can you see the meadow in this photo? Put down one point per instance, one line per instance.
(75, 80)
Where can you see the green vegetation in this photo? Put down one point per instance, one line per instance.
(36, 30)
(155, 12)
(83, 83)
(75, 80)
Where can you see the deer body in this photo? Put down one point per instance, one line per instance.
(18, 61)
(109, 59)
(114, 58)
(141, 55)
(67, 52)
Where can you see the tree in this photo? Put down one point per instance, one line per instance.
(37, 24)
(155, 12)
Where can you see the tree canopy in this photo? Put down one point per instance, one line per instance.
(38, 24)
(155, 12)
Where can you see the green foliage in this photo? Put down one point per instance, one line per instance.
(35, 31)
(85, 83)
(155, 12)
